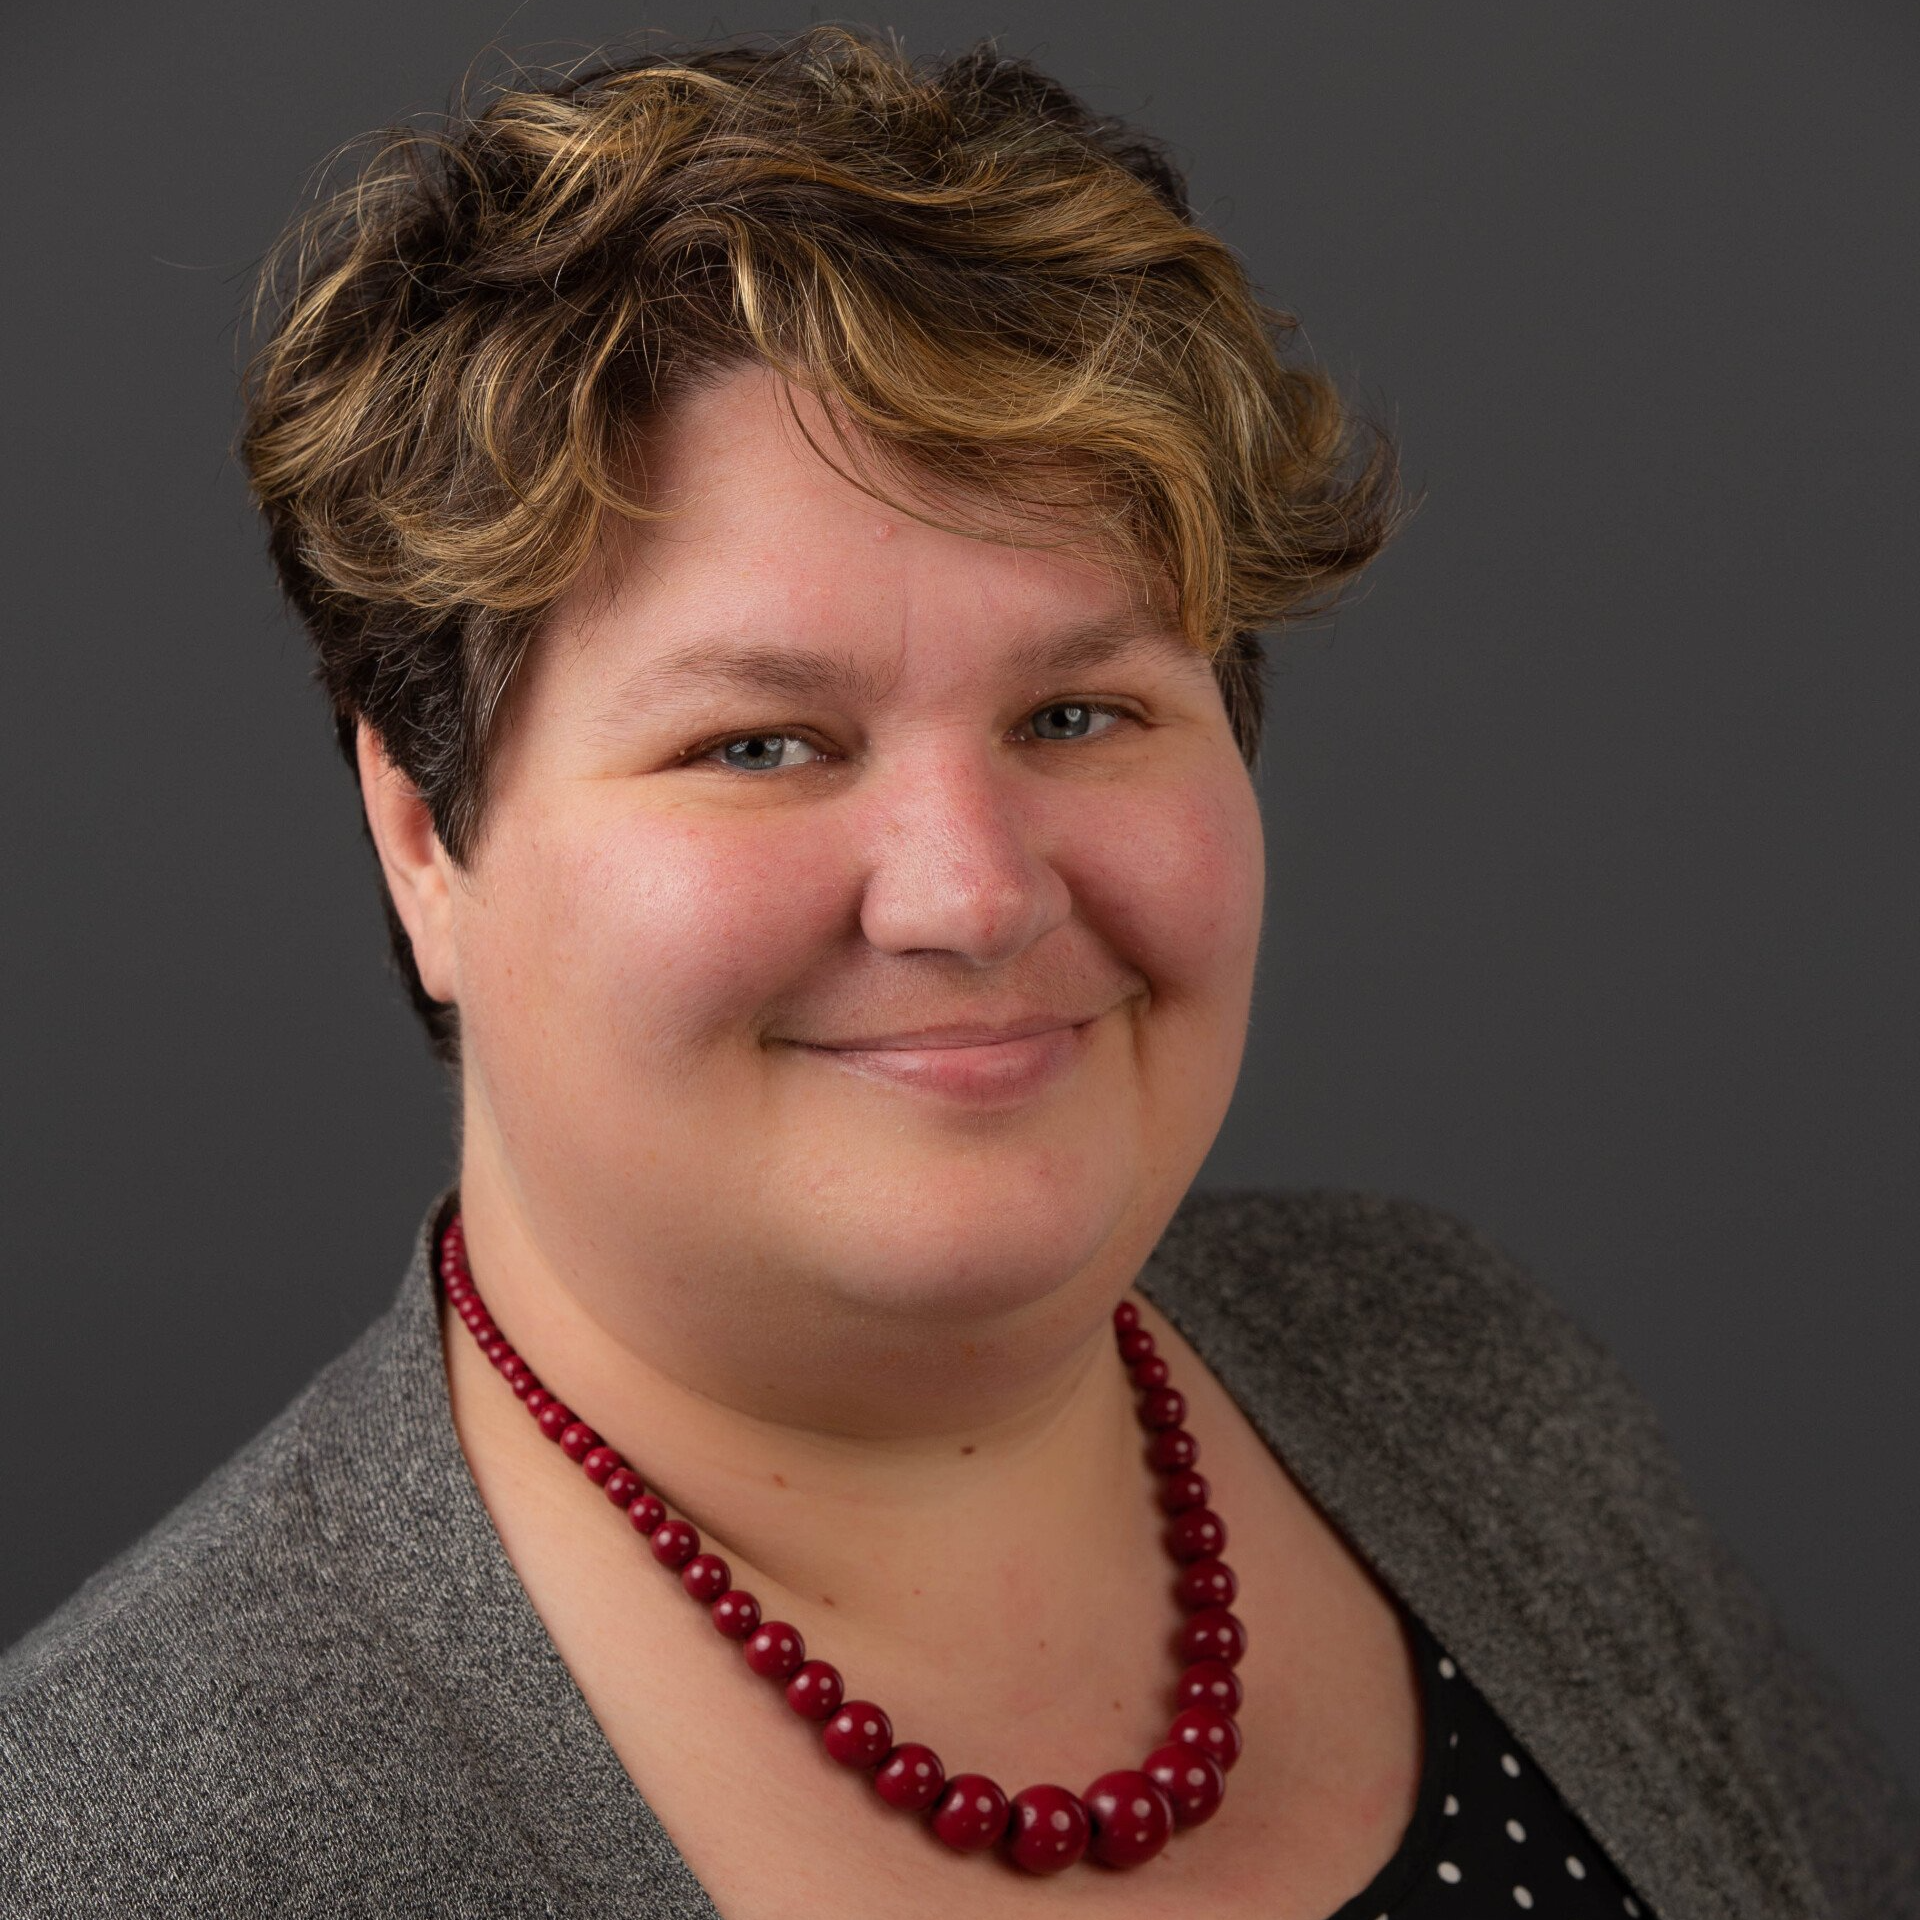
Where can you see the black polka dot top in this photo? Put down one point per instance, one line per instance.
(1490, 1834)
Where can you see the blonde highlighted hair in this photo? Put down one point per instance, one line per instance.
(1001, 297)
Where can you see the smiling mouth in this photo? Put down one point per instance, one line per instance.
(979, 1064)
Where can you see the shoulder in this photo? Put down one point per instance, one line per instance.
(1406, 1307)
(168, 1730)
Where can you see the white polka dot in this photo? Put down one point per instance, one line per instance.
(1576, 1867)
(1631, 1904)
(1515, 1831)
(1447, 1668)
(1521, 1897)
(1510, 1765)
(1449, 1872)
(1452, 1805)
(1453, 1739)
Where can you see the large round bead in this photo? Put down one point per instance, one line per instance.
(1132, 1818)
(774, 1649)
(1212, 1634)
(675, 1542)
(1181, 1492)
(623, 1486)
(736, 1613)
(1211, 1731)
(1162, 1407)
(1048, 1829)
(1209, 1683)
(972, 1813)
(706, 1576)
(1196, 1534)
(1206, 1583)
(1172, 1450)
(1193, 1781)
(859, 1735)
(815, 1689)
(910, 1777)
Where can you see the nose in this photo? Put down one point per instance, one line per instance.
(955, 860)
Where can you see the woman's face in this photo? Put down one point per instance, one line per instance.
(863, 910)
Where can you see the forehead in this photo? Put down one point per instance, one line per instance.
(760, 538)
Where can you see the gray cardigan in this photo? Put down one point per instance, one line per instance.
(317, 1687)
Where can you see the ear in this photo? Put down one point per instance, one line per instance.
(418, 871)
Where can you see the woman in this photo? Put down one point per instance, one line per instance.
(782, 532)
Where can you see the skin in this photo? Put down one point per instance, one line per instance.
(856, 1324)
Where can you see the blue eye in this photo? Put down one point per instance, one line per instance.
(765, 752)
(1071, 720)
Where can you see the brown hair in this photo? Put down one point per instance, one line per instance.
(1004, 295)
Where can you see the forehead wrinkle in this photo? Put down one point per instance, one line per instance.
(813, 673)
(754, 665)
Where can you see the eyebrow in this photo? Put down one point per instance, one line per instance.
(807, 673)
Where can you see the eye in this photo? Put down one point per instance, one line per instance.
(1072, 720)
(764, 752)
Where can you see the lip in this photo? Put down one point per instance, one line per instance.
(980, 1064)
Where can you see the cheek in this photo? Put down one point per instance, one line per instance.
(1175, 880)
(650, 933)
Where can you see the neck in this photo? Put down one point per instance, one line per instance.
(983, 1479)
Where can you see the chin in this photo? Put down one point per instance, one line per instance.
(971, 1234)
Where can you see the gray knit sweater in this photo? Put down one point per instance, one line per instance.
(318, 1688)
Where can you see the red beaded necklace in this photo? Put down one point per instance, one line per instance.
(1124, 1817)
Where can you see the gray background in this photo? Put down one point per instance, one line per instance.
(1593, 915)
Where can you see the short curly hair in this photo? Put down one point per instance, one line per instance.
(1005, 295)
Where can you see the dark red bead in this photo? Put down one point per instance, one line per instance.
(647, 1513)
(538, 1401)
(815, 1690)
(577, 1440)
(1213, 1732)
(524, 1381)
(1191, 1780)
(1048, 1829)
(554, 1419)
(736, 1613)
(1132, 1818)
(1181, 1491)
(1197, 1534)
(1208, 1683)
(624, 1486)
(1206, 1583)
(1172, 1450)
(1136, 1344)
(1163, 1407)
(859, 1735)
(496, 1350)
(910, 1777)
(675, 1542)
(1150, 1372)
(706, 1576)
(598, 1464)
(1212, 1634)
(774, 1649)
(972, 1814)
(1126, 1316)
